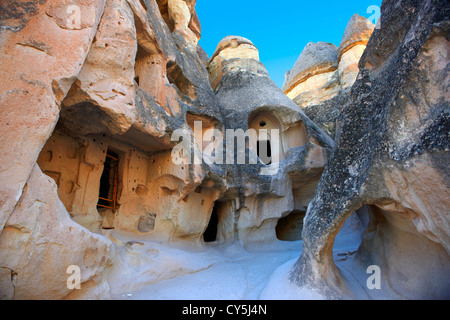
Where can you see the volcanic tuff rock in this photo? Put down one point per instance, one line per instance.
(40, 58)
(119, 82)
(353, 43)
(321, 78)
(93, 115)
(249, 99)
(392, 157)
(88, 124)
(40, 241)
(313, 78)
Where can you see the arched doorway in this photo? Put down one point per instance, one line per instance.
(263, 123)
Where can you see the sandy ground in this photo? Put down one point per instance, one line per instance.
(222, 272)
(241, 275)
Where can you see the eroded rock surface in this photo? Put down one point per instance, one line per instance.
(101, 98)
(250, 100)
(321, 78)
(391, 154)
(95, 107)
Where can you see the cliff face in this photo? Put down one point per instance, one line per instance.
(93, 95)
(115, 122)
(391, 155)
(107, 109)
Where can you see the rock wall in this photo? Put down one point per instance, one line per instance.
(391, 154)
(38, 34)
(119, 79)
(103, 97)
(249, 99)
(40, 241)
(91, 137)
(42, 53)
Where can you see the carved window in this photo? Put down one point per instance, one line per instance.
(109, 181)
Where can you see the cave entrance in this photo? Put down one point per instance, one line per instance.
(210, 234)
(109, 181)
(290, 227)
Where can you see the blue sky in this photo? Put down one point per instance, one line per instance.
(280, 29)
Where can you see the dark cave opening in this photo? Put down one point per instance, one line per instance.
(290, 228)
(264, 151)
(210, 234)
(109, 181)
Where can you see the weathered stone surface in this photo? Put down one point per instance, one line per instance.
(168, 87)
(231, 47)
(353, 44)
(91, 115)
(104, 106)
(41, 59)
(321, 78)
(40, 241)
(249, 99)
(389, 159)
(313, 77)
(181, 16)
(107, 76)
(358, 32)
(39, 34)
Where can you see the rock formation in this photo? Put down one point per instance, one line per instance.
(353, 43)
(392, 156)
(115, 122)
(94, 110)
(249, 99)
(91, 130)
(321, 78)
(314, 77)
(41, 58)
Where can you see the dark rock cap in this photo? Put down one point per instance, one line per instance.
(315, 58)
(358, 31)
